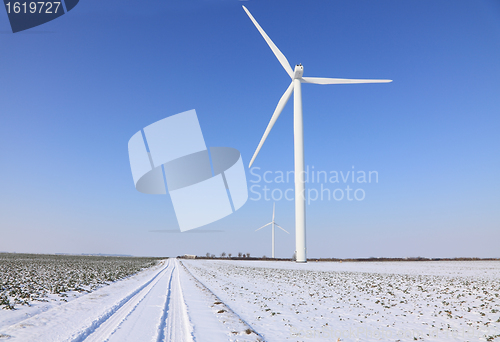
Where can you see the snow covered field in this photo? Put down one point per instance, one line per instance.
(225, 300)
(360, 301)
(33, 283)
(161, 303)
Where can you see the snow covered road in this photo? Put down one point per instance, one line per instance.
(156, 312)
(164, 303)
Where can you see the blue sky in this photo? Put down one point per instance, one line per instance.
(73, 91)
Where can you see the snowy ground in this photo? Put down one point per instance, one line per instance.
(162, 303)
(223, 300)
(356, 301)
(34, 283)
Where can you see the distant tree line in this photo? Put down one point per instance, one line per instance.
(223, 255)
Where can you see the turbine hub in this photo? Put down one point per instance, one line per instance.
(299, 71)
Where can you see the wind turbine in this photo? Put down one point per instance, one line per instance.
(273, 224)
(298, 132)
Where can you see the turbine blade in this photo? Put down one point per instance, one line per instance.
(277, 225)
(281, 57)
(279, 108)
(324, 80)
(264, 226)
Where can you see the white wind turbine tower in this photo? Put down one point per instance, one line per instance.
(273, 224)
(298, 132)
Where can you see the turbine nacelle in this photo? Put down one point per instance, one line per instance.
(298, 72)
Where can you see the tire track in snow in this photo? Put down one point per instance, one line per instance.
(163, 304)
(177, 326)
(157, 313)
(242, 330)
(108, 325)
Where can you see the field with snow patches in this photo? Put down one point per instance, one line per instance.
(61, 298)
(31, 283)
(161, 303)
(360, 301)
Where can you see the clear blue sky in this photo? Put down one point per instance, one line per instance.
(73, 92)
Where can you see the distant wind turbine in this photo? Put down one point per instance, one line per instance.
(295, 86)
(274, 224)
